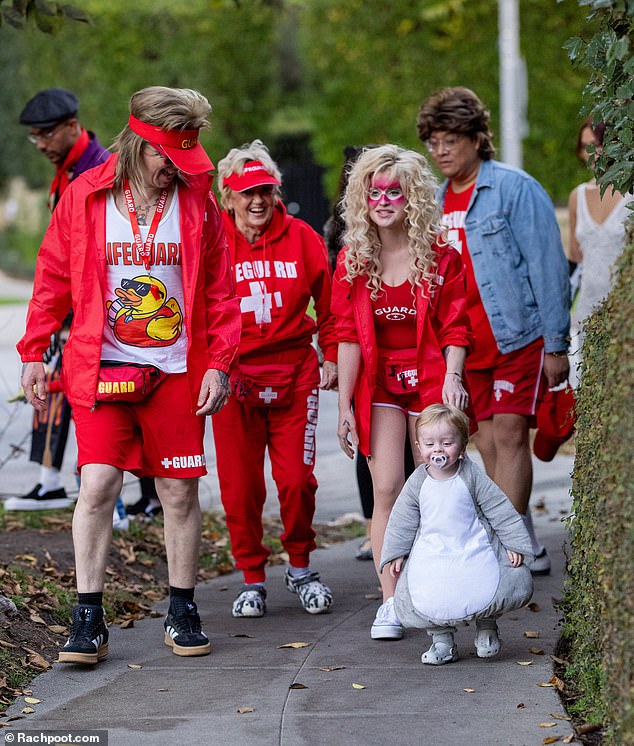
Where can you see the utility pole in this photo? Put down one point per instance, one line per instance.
(513, 89)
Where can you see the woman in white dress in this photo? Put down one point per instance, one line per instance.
(597, 238)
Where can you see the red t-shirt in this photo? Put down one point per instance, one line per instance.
(485, 351)
(394, 315)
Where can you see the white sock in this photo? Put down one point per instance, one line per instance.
(298, 572)
(528, 522)
(50, 479)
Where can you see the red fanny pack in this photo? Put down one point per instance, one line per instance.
(401, 372)
(127, 382)
(264, 385)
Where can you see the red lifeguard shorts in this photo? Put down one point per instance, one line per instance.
(511, 386)
(159, 436)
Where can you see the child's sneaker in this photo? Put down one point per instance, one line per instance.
(443, 650)
(88, 641)
(314, 596)
(183, 631)
(251, 602)
(487, 640)
(387, 625)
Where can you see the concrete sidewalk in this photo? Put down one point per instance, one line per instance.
(308, 695)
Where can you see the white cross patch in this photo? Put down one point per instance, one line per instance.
(260, 302)
(166, 462)
(268, 395)
(411, 376)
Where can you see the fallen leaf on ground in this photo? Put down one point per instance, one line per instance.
(371, 596)
(561, 661)
(58, 628)
(295, 645)
(568, 739)
(358, 686)
(556, 681)
(557, 716)
(134, 665)
(241, 634)
(545, 683)
(588, 728)
(163, 689)
(534, 606)
(332, 668)
(469, 691)
(37, 619)
(127, 624)
(547, 725)
(551, 739)
(521, 706)
(297, 685)
(32, 701)
(244, 710)
(524, 663)
(27, 558)
(531, 634)
(27, 710)
(536, 651)
(6, 644)
(37, 660)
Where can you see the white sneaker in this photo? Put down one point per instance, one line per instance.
(487, 641)
(387, 625)
(118, 523)
(541, 564)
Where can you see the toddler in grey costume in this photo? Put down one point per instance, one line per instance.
(455, 542)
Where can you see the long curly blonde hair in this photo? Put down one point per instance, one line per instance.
(422, 215)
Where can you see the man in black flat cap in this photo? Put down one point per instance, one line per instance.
(54, 129)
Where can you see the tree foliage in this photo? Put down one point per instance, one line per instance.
(609, 95)
(47, 15)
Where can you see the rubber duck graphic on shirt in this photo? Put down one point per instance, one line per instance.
(142, 315)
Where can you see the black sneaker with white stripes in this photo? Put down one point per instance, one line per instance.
(183, 632)
(88, 641)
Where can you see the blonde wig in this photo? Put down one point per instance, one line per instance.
(439, 413)
(422, 215)
(234, 162)
(167, 108)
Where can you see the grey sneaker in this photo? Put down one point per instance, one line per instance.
(250, 603)
(443, 650)
(487, 640)
(387, 625)
(314, 596)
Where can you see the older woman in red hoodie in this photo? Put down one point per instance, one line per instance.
(278, 264)
(401, 322)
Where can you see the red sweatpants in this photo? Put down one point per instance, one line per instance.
(241, 435)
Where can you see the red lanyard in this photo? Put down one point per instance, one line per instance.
(144, 249)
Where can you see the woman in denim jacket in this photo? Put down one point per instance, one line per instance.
(503, 223)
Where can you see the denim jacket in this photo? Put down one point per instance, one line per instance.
(519, 263)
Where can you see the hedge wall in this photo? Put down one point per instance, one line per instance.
(599, 597)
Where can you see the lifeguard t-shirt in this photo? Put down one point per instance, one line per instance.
(144, 309)
(485, 351)
(394, 313)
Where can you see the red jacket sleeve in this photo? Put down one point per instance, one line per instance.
(449, 302)
(224, 321)
(319, 279)
(341, 304)
(51, 299)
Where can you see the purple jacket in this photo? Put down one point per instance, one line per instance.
(94, 155)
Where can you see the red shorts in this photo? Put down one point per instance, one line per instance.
(159, 436)
(511, 386)
(408, 402)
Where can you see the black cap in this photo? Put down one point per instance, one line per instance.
(49, 107)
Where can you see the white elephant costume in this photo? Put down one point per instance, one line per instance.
(455, 534)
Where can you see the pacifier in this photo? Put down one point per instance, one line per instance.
(439, 460)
